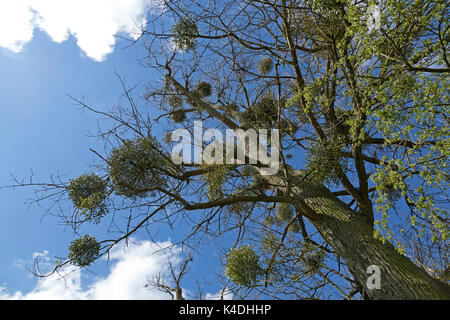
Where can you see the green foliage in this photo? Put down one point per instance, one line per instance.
(240, 208)
(302, 117)
(242, 266)
(390, 185)
(271, 220)
(285, 211)
(414, 108)
(259, 184)
(294, 227)
(264, 112)
(323, 159)
(178, 115)
(136, 167)
(175, 101)
(344, 119)
(185, 32)
(284, 215)
(311, 257)
(324, 5)
(88, 193)
(215, 177)
(294, 103)
(265, 65)
(314, 260)
(84, 251)
(203, 89)
(191, 101)
(232, 108)
(269, 241)
(248, 170)
(266, 107)
(167, 137)
(293, 87)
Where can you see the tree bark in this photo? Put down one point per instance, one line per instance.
(351, 236)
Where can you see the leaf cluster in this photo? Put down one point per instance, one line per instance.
(136, 167)
(84, 251)
(88, 193)
(242, 266)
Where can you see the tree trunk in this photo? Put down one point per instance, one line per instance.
(351, 236)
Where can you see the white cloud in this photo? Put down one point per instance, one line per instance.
(16, 27)
(131, 266)
(94, 23)
(136, 263)
(220, 295)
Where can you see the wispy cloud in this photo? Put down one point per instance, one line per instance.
(94, 23)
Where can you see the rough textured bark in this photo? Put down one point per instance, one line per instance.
(351, 235)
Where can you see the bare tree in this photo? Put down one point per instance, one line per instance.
(175, 291)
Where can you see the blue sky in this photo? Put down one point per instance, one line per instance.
(41, 129)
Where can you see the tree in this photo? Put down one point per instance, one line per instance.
(176, 292)
(364, 142)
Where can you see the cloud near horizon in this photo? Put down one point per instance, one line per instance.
(131, 267)
(94, 23)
